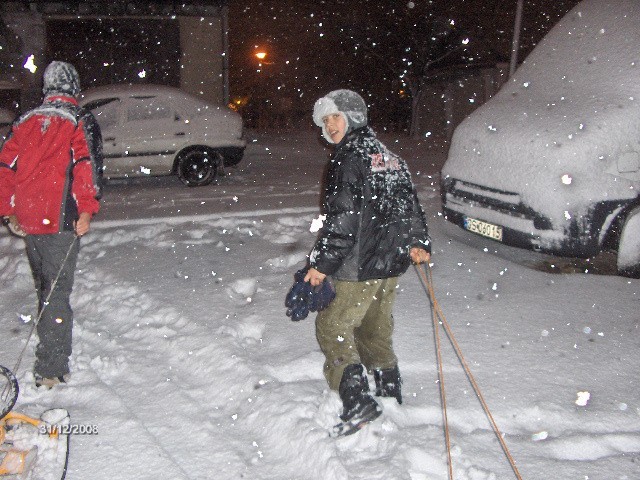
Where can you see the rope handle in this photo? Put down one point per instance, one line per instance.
(426, 276)
(443, 395)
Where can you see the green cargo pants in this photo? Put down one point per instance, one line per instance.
(357, 327)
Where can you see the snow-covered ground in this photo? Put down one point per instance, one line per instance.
(186, 364)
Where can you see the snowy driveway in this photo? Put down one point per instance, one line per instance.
(185, 361)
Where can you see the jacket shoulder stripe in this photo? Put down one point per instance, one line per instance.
(51, 111)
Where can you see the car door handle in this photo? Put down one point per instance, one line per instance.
(110, 139)
(180, 134)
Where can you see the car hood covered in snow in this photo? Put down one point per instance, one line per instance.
(564, 132)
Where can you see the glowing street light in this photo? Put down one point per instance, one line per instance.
(262, 55)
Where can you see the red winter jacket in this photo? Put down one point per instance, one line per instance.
(50, 167)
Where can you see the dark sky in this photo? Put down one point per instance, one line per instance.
(317, 46)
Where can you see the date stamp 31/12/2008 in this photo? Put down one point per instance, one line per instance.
(70, 429)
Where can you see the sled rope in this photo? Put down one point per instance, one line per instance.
(439, 318)
(44, 306)
(443, 395)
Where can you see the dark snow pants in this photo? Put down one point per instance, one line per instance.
(46, 254)
(357, 328)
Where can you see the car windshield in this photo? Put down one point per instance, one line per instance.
(105, 111)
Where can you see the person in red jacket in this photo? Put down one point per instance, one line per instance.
(50, 175)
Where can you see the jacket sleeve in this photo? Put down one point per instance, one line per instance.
(8, 159)
(343, 204)
(419, 230)
(87, 171)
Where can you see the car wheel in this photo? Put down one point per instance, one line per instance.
(198, 167)
(629, 246)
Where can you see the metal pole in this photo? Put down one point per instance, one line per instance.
(516, 38)
(225, 58)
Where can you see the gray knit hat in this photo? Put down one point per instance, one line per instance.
(61, 78)
(347, 102)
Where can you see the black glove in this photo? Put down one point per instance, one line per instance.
(303, 298)
(322, 296)
(297, 301)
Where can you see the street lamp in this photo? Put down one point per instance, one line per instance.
(261, 102)
(261, 55)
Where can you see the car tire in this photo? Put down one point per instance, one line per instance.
(628, 261)
(198, 167)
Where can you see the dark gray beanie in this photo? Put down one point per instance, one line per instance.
(347, 102)
(61, 78)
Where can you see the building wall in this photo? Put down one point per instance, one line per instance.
(117, 50)
(201, 61)
(182, 51)
(29, 28)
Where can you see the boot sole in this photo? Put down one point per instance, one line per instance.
(355, 424)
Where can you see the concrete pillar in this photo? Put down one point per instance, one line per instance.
(201, 63)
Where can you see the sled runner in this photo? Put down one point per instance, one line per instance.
(8, 391)
(31, 448)
(34, 449)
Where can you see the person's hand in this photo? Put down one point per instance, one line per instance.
(314, 277)
(83, 223)
(303, 297)
(419, 255)
(11, 222)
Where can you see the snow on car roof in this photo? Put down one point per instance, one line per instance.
(131, 90)
(572, 108)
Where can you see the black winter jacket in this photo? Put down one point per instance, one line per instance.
(373, 217)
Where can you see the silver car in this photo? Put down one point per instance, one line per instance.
(159, 130)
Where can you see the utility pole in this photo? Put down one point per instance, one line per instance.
(515, 46)
(224, 10)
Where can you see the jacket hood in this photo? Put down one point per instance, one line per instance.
(61, 78)
(346, 102)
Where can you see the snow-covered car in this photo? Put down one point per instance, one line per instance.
(552, 162)
(160, 130)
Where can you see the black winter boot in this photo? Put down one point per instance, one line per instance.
(388, 382)
(359, 407)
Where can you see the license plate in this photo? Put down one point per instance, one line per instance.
(483, 228)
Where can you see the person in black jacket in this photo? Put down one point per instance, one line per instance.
(374, 228)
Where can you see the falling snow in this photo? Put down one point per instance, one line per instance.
(181, 342)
